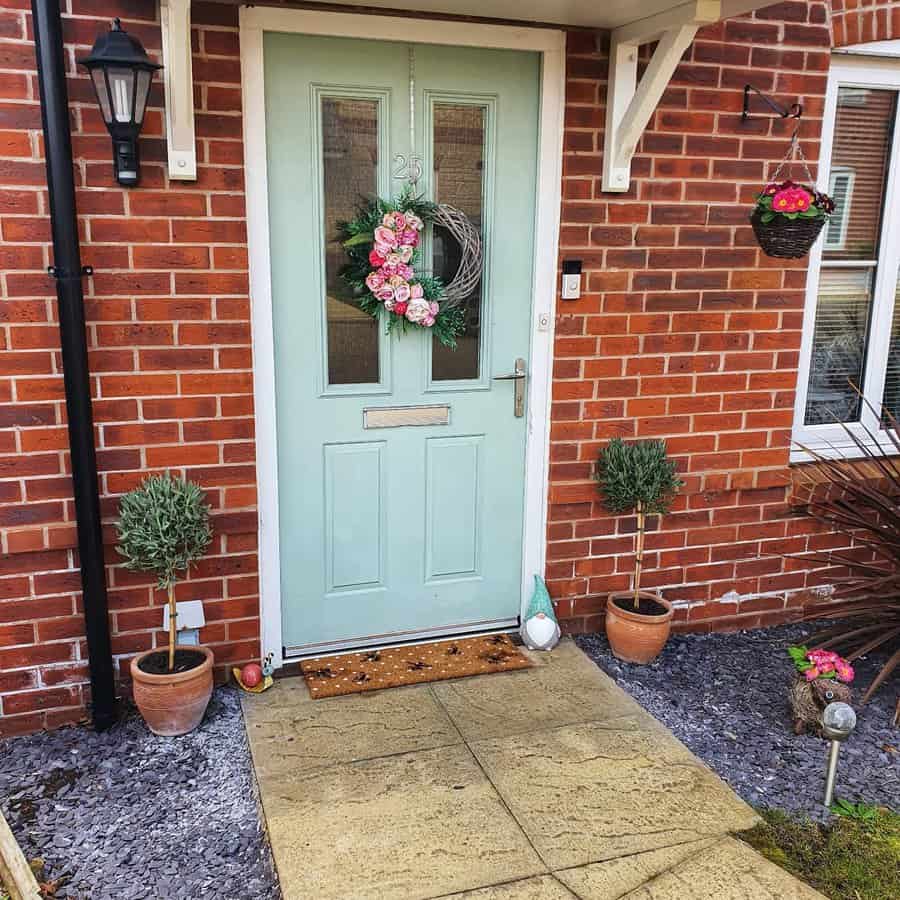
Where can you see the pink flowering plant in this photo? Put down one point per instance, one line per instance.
(383, 249)
(788, 200)
(813, 664)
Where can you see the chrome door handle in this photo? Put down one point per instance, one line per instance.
(518, 375)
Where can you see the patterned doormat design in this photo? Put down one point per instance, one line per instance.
(372, 670)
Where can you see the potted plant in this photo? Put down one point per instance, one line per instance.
(163, 527)
(788, 217)
(637, 478)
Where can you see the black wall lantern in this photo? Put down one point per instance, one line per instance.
(121, 72)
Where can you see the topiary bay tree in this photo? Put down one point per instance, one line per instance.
(637, 478)
(163, 528)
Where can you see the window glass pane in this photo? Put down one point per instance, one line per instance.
(349, 164)
(891, 400)
(859, 161)
(839, 345)
(458, 181)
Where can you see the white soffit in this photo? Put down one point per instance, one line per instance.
(875, 48)
(605, 14)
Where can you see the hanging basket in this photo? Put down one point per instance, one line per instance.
(786, 238)
(788, 217)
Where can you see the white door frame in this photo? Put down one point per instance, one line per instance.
(551, 45)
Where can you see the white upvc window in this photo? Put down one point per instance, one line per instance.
(851, 325)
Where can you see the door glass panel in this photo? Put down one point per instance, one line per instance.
(859, 161)
(839, 345)
(349, 165)
(891, 400)
(458, 179)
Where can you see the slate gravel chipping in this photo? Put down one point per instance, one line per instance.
(129, 815)
(725, 697)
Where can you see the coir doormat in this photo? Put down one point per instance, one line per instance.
(372, 670)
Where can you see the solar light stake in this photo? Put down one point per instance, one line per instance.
(838, 721)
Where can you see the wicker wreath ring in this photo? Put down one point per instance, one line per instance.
(468, 275)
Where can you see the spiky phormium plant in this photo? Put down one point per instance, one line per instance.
(163, 527)
(861, 498)
(639, 478)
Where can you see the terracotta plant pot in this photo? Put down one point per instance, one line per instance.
(173, 704)
(636, 637)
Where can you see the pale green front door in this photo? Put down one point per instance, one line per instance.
(390, 531)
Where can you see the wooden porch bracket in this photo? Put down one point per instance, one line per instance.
(177, 73)
(630, 103)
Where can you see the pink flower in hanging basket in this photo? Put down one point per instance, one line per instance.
(791, 199)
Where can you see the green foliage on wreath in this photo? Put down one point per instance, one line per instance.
(637, 475)
(163, 527)
(357, 236)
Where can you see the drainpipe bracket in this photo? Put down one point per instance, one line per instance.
(62, 275)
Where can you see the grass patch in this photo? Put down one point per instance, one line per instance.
(846, 859)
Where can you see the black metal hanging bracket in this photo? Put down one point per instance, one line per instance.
(794, 111)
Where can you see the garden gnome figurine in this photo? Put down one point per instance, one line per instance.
(540, 630)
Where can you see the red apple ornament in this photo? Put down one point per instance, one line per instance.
(251, 675)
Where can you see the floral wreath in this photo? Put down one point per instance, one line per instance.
(382, 245)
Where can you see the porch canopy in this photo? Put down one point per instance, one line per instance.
(631, 23)
(601, 14)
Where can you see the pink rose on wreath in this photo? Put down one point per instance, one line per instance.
(394, 259)
(402, 293)
(375, 258)
(414, 222)
(374, 280)
(410, 237)
(405, 253)
(385, 292)
(395, 220)
(384, 235)
(418, 311)
(416, 291)
(389, 305)
(405, 271)
(400, 308)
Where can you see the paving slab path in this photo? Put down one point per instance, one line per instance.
(549, 783)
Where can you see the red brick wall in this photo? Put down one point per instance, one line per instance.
(169, 336)
(860, 21)
(685, 330)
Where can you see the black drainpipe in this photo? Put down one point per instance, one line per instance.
(68, 272)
